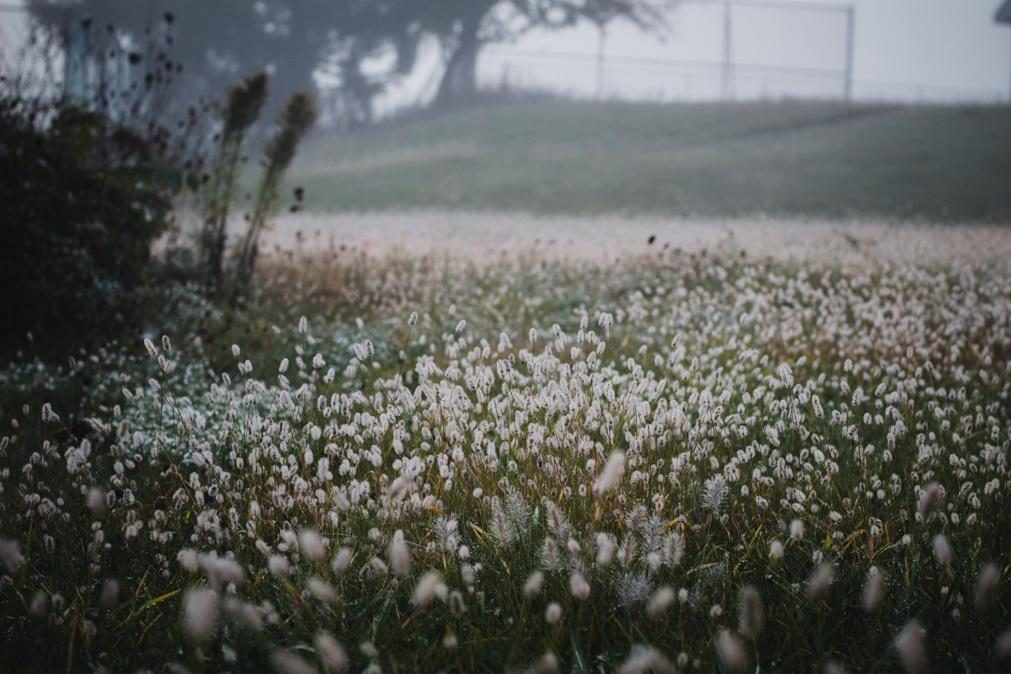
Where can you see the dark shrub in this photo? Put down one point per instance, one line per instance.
(81, 206)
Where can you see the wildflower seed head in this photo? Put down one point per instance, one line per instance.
(286, 662)
(942, 550)
(611, 475)
(750, 613)
(819, 581)
(553, 613)
(534, 583)
(331, 652)
(399, 555)
(986, 586)
(874, 591)
(911, 646)
(660, 602)
(579, 587)
(311, 545)
(279, 565)
(931, 497)
(429, 586)
(731, 652)
(200, 614)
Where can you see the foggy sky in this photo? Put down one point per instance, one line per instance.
(906, 50)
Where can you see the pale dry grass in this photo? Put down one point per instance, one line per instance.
(484, 235)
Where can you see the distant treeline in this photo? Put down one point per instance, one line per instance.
(357, 48)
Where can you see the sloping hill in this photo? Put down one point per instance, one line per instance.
(787, 158)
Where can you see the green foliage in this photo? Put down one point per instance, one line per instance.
(82, 208)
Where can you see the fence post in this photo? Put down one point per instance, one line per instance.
(75, 49)
(850, 40)
(728, 52)
(601, 56)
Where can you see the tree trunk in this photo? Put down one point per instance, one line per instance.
(459, 82)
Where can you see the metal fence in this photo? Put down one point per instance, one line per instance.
(730, 70)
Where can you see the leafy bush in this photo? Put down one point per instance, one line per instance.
(92, 173)
(84, 206)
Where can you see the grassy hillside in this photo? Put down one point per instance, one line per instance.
(791, 158)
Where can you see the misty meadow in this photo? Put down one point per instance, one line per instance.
(301, 373)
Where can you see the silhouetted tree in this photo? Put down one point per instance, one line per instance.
(465, 26)
(221, 40)
(295, 41)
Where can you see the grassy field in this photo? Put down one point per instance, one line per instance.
(667, 463)
(427, 443)
(793, 158)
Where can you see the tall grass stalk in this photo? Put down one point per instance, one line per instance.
(245, 100)
(296, 119)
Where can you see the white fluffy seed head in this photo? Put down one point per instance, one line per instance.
(322, 590)
(96, 501)
(942, 550)
(611, 475)
(189, 560)
(279, 565)
(547, 664)
(986, 586)
(644, 660)
(819, 581)
(428, 587)
(311, 545)
(731, 651)
(834, 667)
(221, 571)
(1002, 646)
(286, 662)
(535, 581)
(606, 547)
(39, 605)
(399, 555)
(553, 613)
(10, 555)
(244, 614)
(109, 597)
(660, 602)
(874, 591)
(200, 614)
(331, 652)
(911, 645)
(750, 613)
(341, 561)
(579, 587)
(929, 499)
(378, 567)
